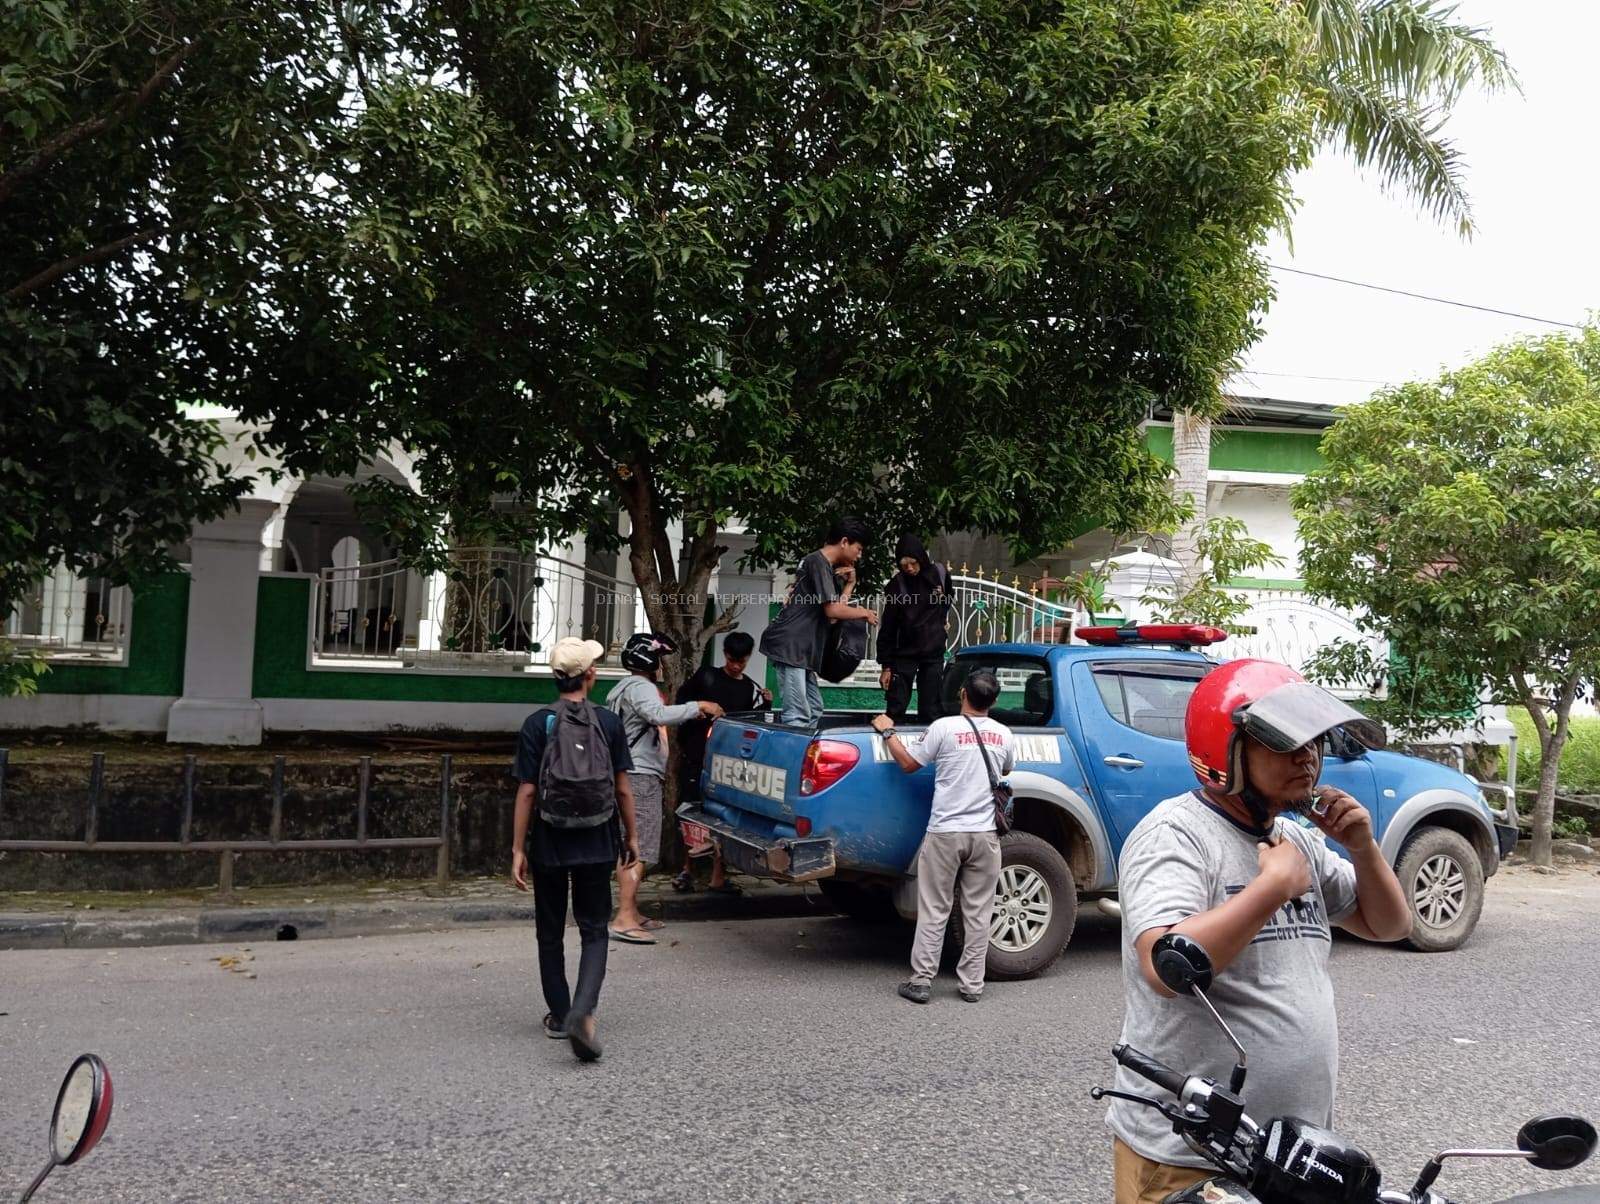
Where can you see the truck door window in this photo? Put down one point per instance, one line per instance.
(1027, 693)
(1150, 698)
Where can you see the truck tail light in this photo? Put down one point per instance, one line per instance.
(802, 826)
(826, 762)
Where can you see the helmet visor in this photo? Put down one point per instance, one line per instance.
(1300, 713)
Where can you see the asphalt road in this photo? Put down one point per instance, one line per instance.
(763, 1060)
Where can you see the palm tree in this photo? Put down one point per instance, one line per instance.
(1387, 73)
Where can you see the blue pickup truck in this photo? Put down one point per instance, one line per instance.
(1099, 743)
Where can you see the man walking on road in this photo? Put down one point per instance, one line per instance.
(962, 848)
(572, 771)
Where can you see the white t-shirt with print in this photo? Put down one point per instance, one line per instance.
(962, 801)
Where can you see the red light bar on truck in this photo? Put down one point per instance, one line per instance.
(1184, 635)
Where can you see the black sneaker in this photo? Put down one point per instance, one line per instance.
(970, 996)
(585, 1041)
(917, 992)
(553, 1028)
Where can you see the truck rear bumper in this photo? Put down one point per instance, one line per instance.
(787, 859)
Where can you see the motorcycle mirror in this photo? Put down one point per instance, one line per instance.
(83, 1109)
(1181, 963)
(1556, 1143)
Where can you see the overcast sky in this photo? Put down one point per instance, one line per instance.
(1533, 174)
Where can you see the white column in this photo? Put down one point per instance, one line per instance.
(272, 542)
(217, 706)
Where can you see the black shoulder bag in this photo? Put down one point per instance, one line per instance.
(1000, 791)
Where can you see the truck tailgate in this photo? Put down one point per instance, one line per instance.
(748, 792)
(755, 767)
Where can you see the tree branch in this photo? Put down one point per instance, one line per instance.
(65, 267)
(55, 147)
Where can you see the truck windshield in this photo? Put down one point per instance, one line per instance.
(1027, 694)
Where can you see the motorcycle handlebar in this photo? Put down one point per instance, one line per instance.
(1147, 1067)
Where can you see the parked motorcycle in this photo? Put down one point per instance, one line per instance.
(1288, 1161)
(83, 1109)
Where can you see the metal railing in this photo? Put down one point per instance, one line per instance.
(985, 610)
(487, 609)
(68, 616)
(228, 850)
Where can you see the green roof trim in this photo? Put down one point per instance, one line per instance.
(1236, 449)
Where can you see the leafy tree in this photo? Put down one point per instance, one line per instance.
(1461, 518)
(927, 263)
(133, 134)
(1226, 551)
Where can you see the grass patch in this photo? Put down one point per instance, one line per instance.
(1580, 759)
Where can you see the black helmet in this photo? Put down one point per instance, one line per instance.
(643, 651)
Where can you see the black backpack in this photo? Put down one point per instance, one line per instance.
(844, 650)
(577, 784)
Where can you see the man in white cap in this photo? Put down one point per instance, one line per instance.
(574, 800)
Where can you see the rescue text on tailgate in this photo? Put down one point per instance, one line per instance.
(764, 781)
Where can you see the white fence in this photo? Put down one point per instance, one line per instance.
(1290, 627)
(66, 616)
(495, 609)
(489, 609)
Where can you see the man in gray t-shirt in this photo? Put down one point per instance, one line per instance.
(795, 639)
(1229, 866)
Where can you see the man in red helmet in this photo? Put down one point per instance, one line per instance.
(1227, 866)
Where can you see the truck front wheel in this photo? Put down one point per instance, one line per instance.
(1035, 907)
(1442, 877)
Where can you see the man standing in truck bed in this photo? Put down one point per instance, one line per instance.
(794, 641)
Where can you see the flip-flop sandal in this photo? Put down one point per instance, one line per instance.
(650, 925)
(683, 883)
(626, 936)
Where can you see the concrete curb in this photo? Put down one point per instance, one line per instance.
(212, 925)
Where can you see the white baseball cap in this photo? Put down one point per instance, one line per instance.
(572, 657)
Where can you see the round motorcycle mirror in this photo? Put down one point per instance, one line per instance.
(1181, 963)
(1556, 1143)
(83, 1109)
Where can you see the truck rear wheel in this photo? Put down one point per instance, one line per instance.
(1442, 877)
(1035, 908)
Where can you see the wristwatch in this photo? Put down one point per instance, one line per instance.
(889, 733)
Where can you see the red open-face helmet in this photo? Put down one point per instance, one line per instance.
(1270, 702)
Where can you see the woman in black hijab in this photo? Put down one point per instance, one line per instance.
(911, 639)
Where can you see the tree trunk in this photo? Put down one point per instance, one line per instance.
(675, 608)
(1191, 458)
(1544, 806)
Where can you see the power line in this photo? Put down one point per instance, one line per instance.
(1347, 380)
(1504, 313)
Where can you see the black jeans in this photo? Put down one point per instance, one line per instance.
(591, 907)
(929, 676)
